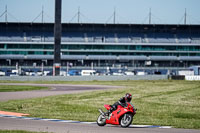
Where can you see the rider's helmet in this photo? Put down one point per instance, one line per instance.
(128, 97)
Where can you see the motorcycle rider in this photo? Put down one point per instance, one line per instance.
(122, 101)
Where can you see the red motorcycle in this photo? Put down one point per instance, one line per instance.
(121, 116)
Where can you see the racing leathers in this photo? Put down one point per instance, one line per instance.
(122, 102)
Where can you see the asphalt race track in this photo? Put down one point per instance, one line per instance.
(50, 126)
(55, 89)
(7, 123)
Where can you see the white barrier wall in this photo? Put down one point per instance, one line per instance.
(192, 78)
(84, 78)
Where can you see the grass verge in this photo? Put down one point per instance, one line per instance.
(13, 88)
(18, 131)
(172, 103)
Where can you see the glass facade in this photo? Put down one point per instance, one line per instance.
(100, 49)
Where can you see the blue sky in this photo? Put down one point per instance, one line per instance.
(101, 11)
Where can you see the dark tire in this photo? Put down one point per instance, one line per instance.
(101, 120)
(126, 120)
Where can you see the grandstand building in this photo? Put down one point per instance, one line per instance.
(102, 45)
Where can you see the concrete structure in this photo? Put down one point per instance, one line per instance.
(101, 45)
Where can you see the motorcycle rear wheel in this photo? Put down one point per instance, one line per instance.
(126, 120)
(101, 120)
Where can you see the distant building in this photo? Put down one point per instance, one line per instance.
(131, 45)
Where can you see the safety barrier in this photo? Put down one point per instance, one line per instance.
(84, 78)
(192, 78)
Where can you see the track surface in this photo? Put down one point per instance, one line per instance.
(49, 126)
(57, 127)
(56, 89)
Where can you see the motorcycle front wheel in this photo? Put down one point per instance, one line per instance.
(101, 120)
(126, 120)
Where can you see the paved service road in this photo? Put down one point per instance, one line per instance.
(55, 89)
(60, 127)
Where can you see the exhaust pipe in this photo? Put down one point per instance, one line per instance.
(101, 112)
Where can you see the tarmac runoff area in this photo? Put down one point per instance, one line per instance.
(55, 89)
(19, 121)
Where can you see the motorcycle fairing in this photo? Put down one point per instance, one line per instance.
(115, 115)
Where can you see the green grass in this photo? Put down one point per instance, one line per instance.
(172, 103)
(17, 131)
(13, 88)
(50, 82)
